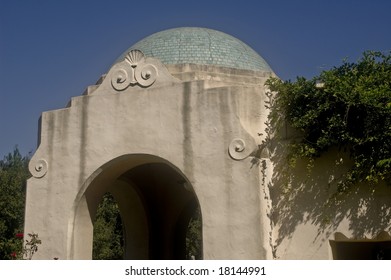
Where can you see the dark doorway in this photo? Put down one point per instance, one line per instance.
(158, 213)
(361, 250)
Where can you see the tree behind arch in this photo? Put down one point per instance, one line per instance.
(13, 176)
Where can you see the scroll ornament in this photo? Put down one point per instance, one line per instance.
(38, 168)
(237, 149)
(133, 70)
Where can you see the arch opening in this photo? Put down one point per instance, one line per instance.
(156, 204)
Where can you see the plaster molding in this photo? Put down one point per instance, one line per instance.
(237, 149)
(132, 71)
(38, 168)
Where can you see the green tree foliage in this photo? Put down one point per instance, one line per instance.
(13, 175)
(351, 109)
(108, 231)
(194, 236)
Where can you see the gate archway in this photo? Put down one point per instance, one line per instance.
(156, 203)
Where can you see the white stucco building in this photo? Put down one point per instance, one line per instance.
(180, 122)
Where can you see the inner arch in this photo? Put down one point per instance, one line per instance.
(156, 202)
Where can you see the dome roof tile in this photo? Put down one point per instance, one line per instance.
(200, 46)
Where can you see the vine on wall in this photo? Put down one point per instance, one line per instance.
(349, 107)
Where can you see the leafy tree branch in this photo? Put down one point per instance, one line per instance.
(349, 107)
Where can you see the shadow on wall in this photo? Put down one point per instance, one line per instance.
(309, 196)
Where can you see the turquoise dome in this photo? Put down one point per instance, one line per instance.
(200, 46)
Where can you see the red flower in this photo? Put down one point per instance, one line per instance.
(13, 254)
(19, 235)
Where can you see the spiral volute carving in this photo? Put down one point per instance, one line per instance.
(38, 168)
(146, 75)
(120, 79)
(237, 149)
(133, 70)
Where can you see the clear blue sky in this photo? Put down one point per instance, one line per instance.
(52, 50)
